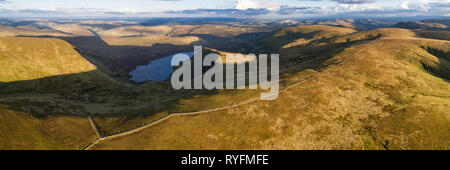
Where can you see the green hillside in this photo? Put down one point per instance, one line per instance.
(33, 58)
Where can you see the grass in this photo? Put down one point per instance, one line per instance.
(6, 31)
(22, 131)
(32, 58)
(302, 35)
(134, 31)
(149, 40)
(216, 30)
(434, 34)
(381, 99)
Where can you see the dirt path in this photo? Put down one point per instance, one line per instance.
(95, 127)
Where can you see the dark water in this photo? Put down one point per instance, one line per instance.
(157, 70)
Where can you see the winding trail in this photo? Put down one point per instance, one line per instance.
(91, 120)
(132, 131)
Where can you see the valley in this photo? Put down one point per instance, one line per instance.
(344, 84)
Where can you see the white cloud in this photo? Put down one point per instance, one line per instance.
(257, 8)
(405, 4)
(128, 10)
(254, 4)
(355, 1)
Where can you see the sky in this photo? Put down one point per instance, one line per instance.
(223, 8)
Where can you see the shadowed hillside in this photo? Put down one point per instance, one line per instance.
(420, 25)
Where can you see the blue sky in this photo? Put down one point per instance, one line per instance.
(223, 8)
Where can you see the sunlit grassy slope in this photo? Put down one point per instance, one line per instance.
(300, 36)
(23, 131)
(24, 58)
(6, 31)
(393, 94)
(135, 31)
(149, 40)
(143, 36)
(215, 30)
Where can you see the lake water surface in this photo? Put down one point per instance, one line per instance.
(158, 70)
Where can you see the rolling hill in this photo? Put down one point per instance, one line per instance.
(341, 89)
(373, 99)
(26, 59)
(420, 25)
